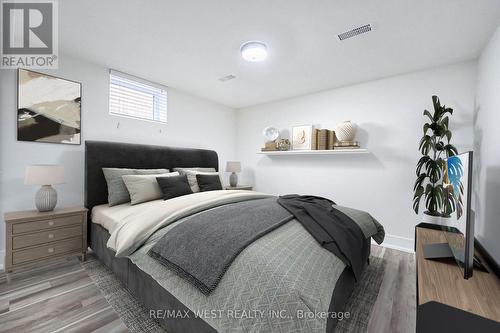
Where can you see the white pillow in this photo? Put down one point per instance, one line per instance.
(117, 191)
(144, 188)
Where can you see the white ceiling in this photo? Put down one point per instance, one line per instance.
(190, 44)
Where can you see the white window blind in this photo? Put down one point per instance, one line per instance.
(136, 98)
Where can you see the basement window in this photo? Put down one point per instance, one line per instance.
(132, 97)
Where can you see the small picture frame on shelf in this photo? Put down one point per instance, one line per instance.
(302, 137)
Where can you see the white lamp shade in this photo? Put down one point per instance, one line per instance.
(233, 167)
(44, 175)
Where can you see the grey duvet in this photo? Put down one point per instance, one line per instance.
(202, 249)
(278, 283)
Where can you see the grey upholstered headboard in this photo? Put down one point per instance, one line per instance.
(101, 154)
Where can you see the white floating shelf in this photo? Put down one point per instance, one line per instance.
(315, 152)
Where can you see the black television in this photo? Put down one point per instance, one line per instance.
(459, 228)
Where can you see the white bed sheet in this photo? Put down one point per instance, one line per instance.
(130, 226)
(112, 217)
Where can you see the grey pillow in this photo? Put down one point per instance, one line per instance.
(173, 187)
(117, 191)
(208, 182)
(191, 175)
(143, 188)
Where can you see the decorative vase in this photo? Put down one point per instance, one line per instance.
(446, 221)
(283, 144)
(345, 131)
(46, 199)
(233, 179)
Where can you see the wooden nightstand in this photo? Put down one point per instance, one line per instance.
(239, 187)
(33, 236)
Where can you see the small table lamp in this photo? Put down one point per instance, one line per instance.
(233, 167)
(44, 175)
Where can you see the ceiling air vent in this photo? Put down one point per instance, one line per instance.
(354, 32)
(227, 78)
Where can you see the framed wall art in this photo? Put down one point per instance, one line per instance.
(302, 137)
(48, 108)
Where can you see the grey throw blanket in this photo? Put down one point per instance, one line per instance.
(333, 229)
(203, 247)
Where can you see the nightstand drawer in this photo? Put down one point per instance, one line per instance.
(45, 237)
(49, 250)
(19, 228)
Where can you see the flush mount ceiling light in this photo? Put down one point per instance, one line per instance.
(253, 51)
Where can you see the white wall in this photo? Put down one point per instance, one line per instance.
(192, 122)
(389, 115)
(388, 111)
(487, 148)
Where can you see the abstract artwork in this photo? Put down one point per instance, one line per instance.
(48, 109)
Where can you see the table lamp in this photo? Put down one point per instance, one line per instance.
(44, 175)
(233, 167)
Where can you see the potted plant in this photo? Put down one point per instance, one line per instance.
(435, 146)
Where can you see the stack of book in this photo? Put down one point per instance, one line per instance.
(346, 145)
(323, 139)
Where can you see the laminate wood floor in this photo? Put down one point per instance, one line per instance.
(61, 297)
(395, 307)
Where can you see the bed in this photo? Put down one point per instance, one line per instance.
(278, 276)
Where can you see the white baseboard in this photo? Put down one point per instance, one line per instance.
(2, 258)
(399, 243)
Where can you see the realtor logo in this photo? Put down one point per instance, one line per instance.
(29, 34)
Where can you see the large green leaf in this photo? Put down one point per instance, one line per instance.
(425, 144)
(445, 122)
(448, 135)
(434, 170)
(426, 127)
(447, 110)
(437, 106)
(416, 198)
(450, 150)
(438, 129)
(442, 163)
(440, 146)
(428, 114)
(419, 181)
(421, 162)
(433, 197)
(439, 110)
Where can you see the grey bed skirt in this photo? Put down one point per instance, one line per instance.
(154, 297)
(145, 289)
